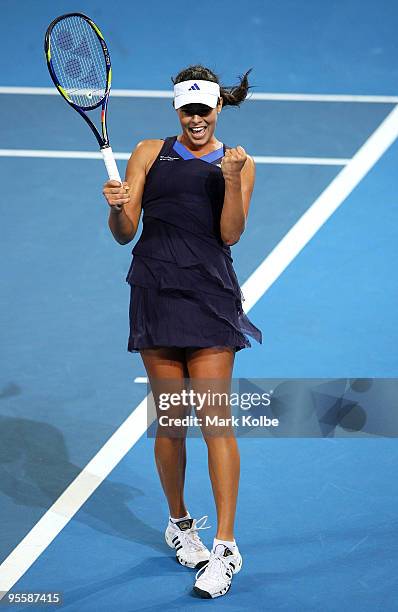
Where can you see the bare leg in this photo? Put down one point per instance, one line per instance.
(168, 365)
(223, 453)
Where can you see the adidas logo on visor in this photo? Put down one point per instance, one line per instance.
(194, 86)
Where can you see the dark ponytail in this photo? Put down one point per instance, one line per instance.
(231, 95)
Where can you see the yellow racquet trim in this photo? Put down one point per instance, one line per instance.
(63, 92)
(97, 30)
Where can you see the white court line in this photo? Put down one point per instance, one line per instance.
(72, 499)
(259, 159)
(159, 93)
(306, 161)
(121, 442)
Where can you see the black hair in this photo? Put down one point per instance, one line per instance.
(231, 95)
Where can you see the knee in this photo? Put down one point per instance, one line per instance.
(219, 440)
(169, 441)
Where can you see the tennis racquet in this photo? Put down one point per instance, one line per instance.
(80, 67)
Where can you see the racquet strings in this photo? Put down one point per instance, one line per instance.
(78, 61)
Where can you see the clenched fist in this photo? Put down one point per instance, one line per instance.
(233, 161)
(116, 194)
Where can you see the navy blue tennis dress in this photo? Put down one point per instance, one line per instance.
(184, 290)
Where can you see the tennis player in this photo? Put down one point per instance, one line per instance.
(186, 315)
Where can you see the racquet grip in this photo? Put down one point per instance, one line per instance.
(110, 164)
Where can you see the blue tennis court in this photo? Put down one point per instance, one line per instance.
(82, 510)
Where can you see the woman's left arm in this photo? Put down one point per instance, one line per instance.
(239, 173)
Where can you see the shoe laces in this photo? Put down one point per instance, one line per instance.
(191, 535)
(215, 568)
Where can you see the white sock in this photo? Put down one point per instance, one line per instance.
(231, 544)
(175, 520)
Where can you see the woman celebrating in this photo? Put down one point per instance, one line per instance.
(186, 316)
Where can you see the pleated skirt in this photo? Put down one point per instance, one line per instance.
(177, 318)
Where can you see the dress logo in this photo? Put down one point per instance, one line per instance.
(167, 158)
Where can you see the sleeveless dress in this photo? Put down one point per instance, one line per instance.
(183, 288)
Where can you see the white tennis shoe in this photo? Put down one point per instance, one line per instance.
(214, 579)
(183, 537)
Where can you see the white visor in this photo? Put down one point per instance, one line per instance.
(196, 92)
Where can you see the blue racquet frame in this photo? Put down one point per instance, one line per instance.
(102, 138)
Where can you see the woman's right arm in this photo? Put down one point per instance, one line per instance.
(124, 223)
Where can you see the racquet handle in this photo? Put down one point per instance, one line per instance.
(110, 164)
(111, 168)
